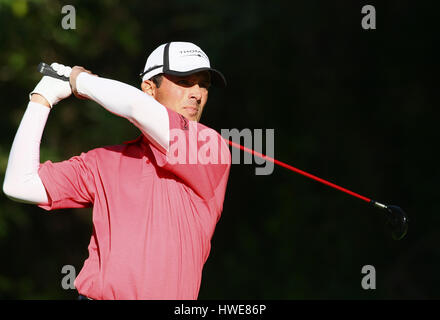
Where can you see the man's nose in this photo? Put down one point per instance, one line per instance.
(196, 92)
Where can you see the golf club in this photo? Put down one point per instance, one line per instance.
(47, 70)
(397, 220)
(396, 217)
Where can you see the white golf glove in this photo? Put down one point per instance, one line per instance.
(52, 89)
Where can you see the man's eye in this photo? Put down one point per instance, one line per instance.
(183, 83)
(205, 85)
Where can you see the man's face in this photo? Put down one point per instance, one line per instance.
(186, 95)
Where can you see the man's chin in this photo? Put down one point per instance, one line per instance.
(191, 116)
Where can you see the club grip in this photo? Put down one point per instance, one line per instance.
(47, 70)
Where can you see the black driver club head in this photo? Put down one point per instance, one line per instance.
(397, 222)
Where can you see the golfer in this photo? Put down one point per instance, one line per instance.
(153, 216)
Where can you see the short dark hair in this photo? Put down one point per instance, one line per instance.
(157, 80)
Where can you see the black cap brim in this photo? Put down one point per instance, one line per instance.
(217, 78)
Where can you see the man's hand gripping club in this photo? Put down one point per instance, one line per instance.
(49, 91)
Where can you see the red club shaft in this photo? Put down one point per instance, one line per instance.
(287, 166)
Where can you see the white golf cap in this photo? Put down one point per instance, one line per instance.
(180, 59)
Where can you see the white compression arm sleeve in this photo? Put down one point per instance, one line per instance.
(133, 104)
(22, 182)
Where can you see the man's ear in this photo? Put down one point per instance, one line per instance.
(149, 87)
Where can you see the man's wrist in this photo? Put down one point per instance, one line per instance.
(78, 72)
(38, 98)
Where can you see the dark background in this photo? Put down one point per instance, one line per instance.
(352, 106)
